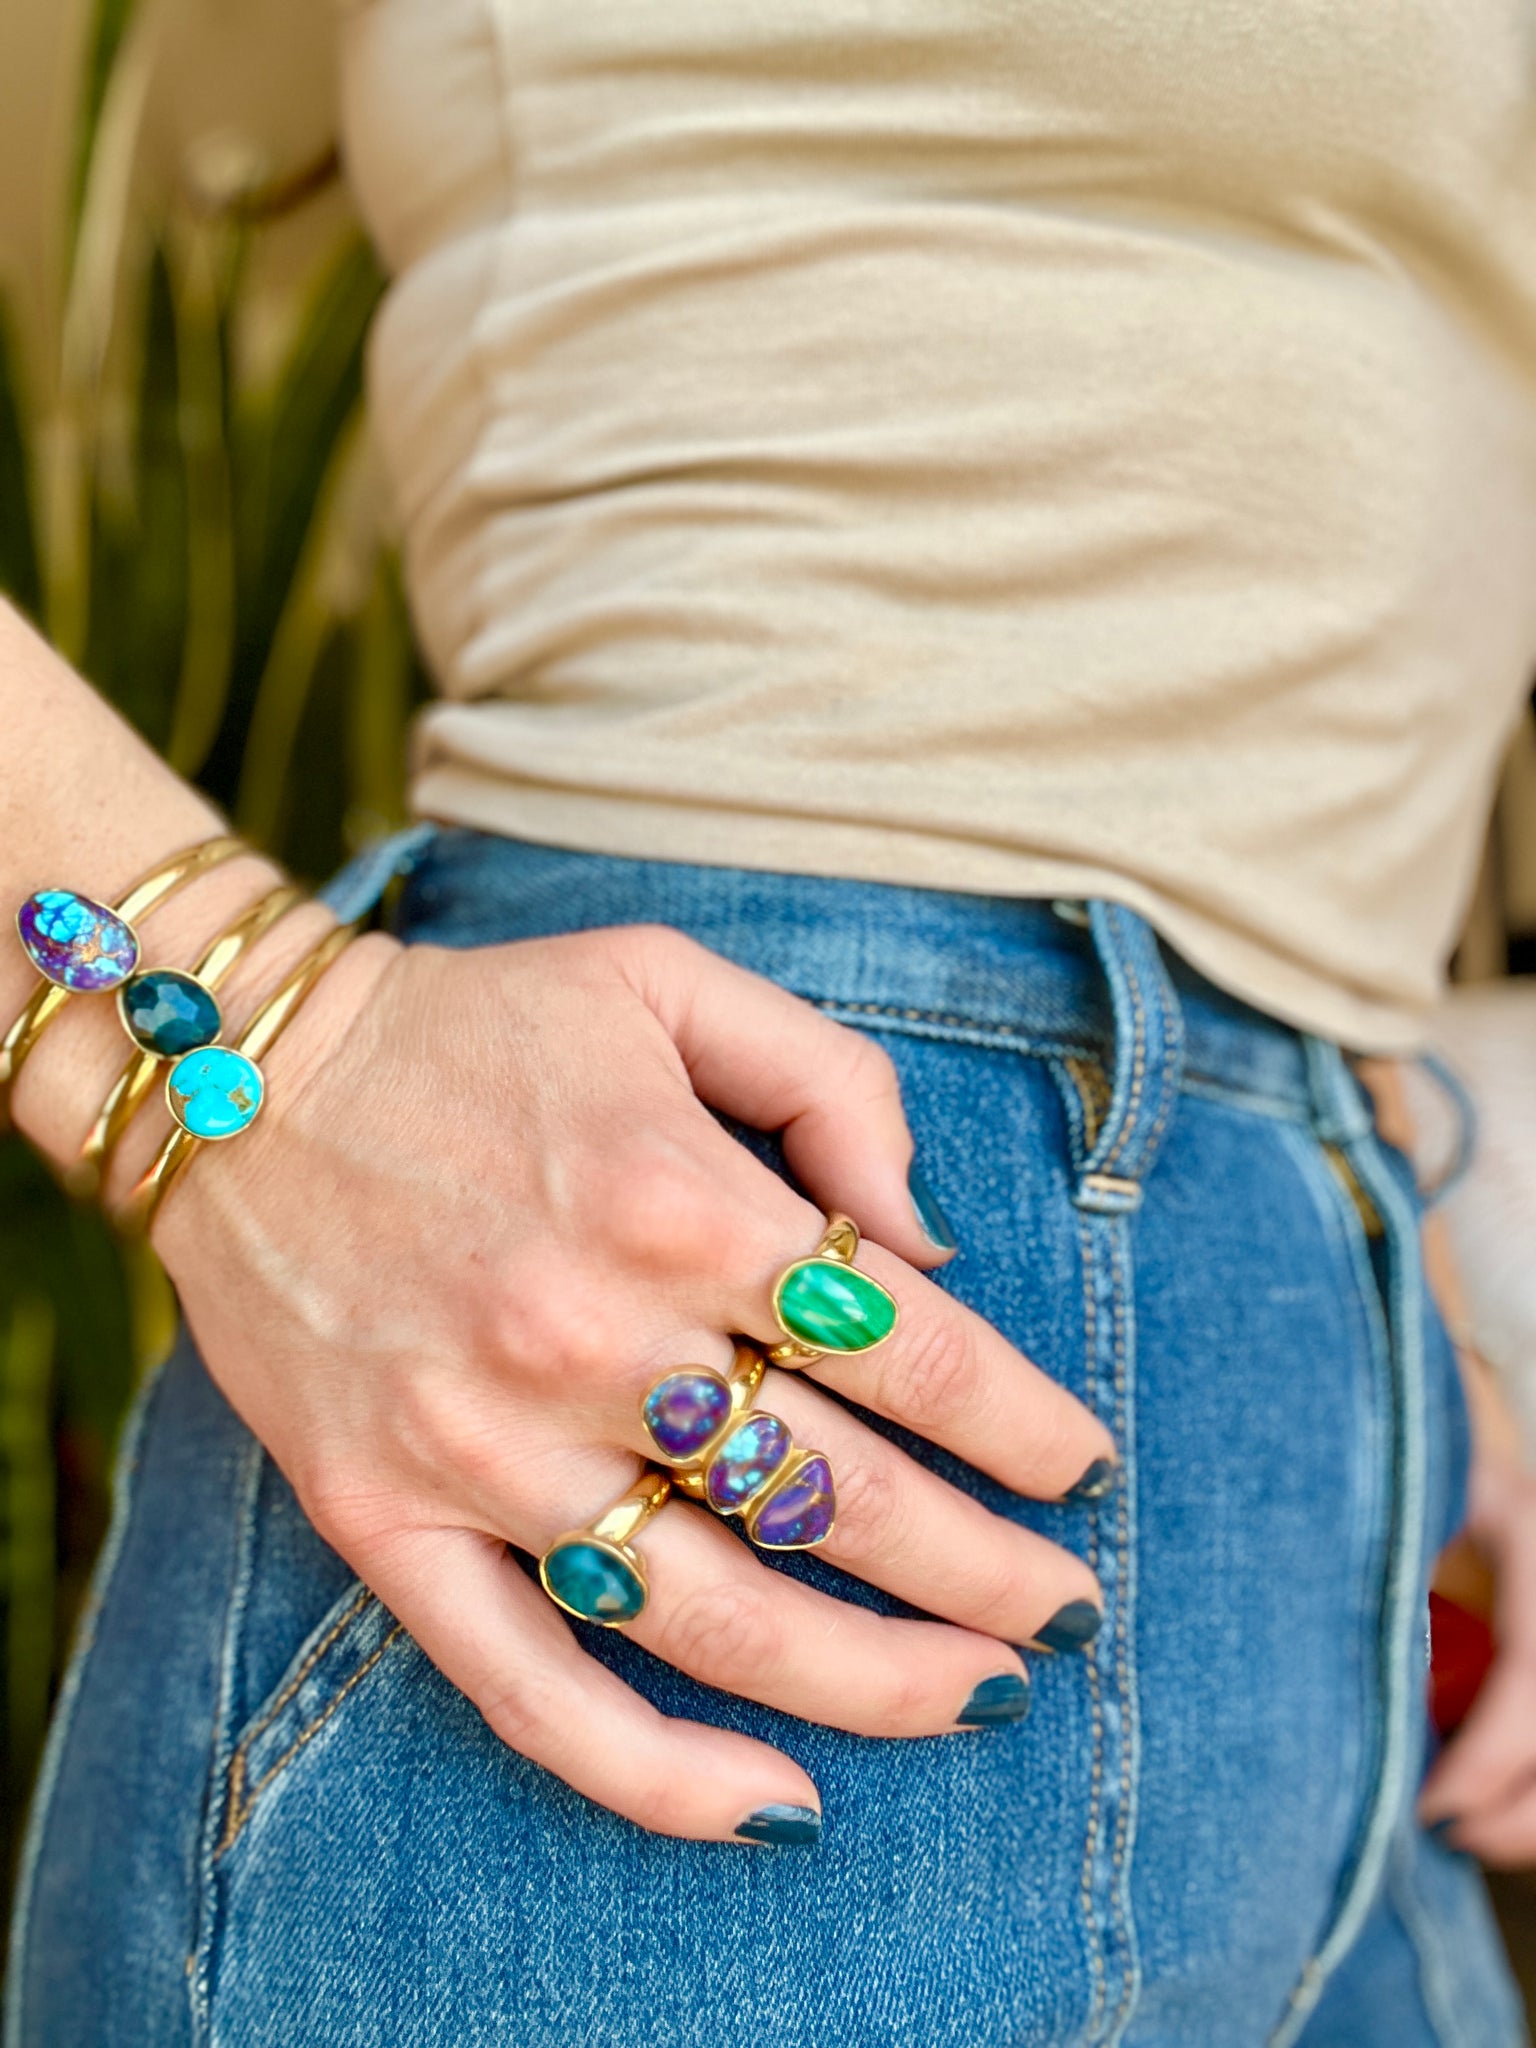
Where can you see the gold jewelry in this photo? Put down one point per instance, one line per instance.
(101, 950)
(737, 1459)
(824, 1303)
(595, 1573)
(235, 1089)
(218, 960)
(685, 1410)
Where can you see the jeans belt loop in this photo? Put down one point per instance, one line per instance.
(1148, 1060)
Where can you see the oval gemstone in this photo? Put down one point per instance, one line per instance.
(799, 1513)
(684, 1411)
(593, 1582)
(76, 942)
(832, 1307)
(168, 1012)
(746, 1461)
(214, 1092)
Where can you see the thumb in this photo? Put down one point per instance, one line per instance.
(771, 1059)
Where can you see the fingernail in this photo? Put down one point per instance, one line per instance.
(1095, 1482)
(995, 1702)
(781, 1824)
(936, 1226)
(1442, 1829)
(1072, 1627)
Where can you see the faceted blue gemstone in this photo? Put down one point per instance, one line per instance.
(76, 942)
(592, 1581)
(683, 1411)
(746, 1461)
(799, 1515)
(214, 1092)
(168, 1012)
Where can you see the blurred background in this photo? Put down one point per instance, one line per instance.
(189, 509)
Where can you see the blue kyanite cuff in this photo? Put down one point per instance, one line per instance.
(168, 1012)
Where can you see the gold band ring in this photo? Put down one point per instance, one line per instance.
(825, 1304)
(595, 1573)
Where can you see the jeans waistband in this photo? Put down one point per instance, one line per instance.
(1022, 973)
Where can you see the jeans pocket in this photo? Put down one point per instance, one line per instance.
(329, 1671)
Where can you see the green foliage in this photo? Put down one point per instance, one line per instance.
(202, 543)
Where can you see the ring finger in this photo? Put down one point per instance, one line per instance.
(718, 1614)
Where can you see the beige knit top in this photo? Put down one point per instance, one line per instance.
(1051, 448)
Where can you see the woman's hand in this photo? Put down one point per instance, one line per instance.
(1482, 1791)
(484, 1209)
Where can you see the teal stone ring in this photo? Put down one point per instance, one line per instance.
(595, 1573)
(824, 1303)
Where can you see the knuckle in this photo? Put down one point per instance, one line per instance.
(552, 1325)
(353, 1518)
(856, 1070)
(654, 1205)
(868, 1507)
(723, 1634)
(521, 1712)
(871, 1066)
(938, 1376)
(647, 948)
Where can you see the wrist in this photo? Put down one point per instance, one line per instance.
(226, 1182)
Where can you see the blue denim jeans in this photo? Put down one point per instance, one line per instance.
(266, 1819)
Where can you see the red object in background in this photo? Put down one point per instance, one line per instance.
(1460, 1653)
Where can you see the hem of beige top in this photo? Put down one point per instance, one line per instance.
(645, 827)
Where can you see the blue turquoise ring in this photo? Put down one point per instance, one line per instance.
(595, 1573)
(737, 1459)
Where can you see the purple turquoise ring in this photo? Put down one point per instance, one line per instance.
(737, 1459)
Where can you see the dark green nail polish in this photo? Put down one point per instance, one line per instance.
(936, 1226)
(1072, 1627)
(995, 1702)
(781, 1824)
(1095, 1482)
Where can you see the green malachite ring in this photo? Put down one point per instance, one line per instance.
(824, 1303)
(596, 1573)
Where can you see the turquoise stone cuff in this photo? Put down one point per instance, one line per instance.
(824, 1303)
(595, 1573)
